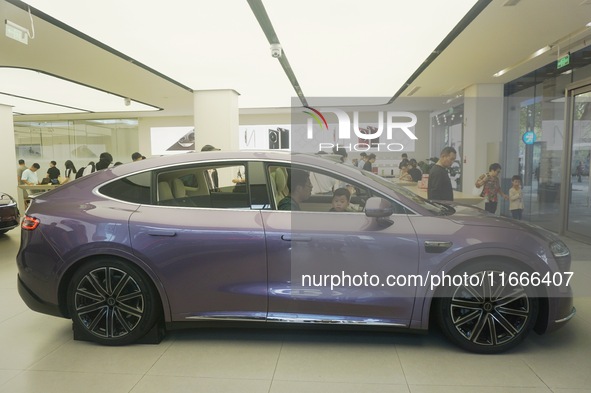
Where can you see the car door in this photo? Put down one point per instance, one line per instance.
(205, 242)
(339, 266)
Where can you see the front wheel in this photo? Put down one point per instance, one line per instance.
(112, 302)
(484, 316)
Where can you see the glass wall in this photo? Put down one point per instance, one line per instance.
(579, 207)
(534, 138)
(81, 141)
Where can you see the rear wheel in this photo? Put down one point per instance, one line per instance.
(483, 315)
(112, 302)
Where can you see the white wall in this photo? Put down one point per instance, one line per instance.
(8, 160)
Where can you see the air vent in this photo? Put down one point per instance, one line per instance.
(511, 3)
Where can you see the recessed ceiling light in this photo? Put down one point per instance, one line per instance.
(537, 53)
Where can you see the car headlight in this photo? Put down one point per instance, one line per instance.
(559, 249)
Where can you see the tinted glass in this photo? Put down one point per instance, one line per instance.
(134, 188)
(329, 192)
(205, 186)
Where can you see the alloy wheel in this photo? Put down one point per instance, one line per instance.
(109, 302)
(490, 314)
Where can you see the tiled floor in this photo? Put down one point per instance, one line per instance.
(38, 355)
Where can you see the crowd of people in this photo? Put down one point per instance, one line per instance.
(440, 189)
(439, 186)
(30, 175)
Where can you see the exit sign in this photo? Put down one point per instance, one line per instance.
(563, 61)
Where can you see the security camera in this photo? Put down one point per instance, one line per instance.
(275, 50)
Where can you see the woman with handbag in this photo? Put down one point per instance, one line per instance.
(491, 187)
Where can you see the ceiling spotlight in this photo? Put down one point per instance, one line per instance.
(127, 101)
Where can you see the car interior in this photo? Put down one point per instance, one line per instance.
(204, 186)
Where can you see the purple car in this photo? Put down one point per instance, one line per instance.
(271, 237)
(9, 213)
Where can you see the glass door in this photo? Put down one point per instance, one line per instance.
(578, 217)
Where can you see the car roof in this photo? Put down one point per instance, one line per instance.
(194, 157)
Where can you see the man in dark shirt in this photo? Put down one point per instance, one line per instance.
(300, 189)
(439, 186)
(53, 172)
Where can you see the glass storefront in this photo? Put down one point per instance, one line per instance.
(539, 142)
(81, 141)
(578, 220)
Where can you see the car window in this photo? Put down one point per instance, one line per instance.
(135, 188)
(329, 192)
(205, 186)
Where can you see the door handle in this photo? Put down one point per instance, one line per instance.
(162, 233)
(296, 238)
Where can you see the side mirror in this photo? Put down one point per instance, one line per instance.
(378, 208)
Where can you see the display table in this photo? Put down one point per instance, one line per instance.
(459, 197)
(34, 190)
(38, 187)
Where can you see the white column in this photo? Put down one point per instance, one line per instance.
(483, 130)
(8, 159)
(216, 119)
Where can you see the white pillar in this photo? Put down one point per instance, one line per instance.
(8, 159)
(216, 119)
(483, 130)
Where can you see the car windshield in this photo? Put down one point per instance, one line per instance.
(435, 207)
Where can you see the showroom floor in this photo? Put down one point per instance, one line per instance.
(38, 355)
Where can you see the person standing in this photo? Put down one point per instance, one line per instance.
(70, 173)
(53, 173)
(404, 174)
(362, 160)
(19, 171)
(414, 171)
(516, 198)
(105, 160)
(403, 158)
(491, 187)
(579, 172)
(368, 166)
(439, 187)
(29, 176)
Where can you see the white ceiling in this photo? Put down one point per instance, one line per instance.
(157, 53)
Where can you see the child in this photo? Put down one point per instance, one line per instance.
(340, 200)
(516, 198)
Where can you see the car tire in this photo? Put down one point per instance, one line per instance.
(487, 318)
(112, 302)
